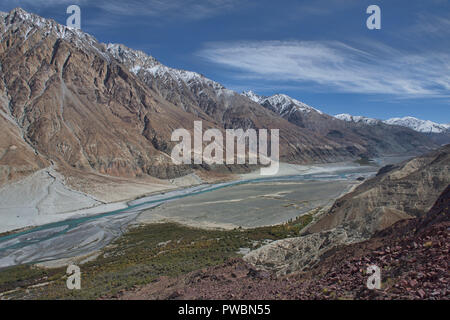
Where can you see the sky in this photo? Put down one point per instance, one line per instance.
(317, 51)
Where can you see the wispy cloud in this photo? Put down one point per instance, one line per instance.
(192, 9)
(322, 7)
(184, 9)
(336, 66)
(40, 3)
(431, 25)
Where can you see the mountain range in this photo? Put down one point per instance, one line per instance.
(374, 135)
(79, 105)
(424, 126)
(439, 133)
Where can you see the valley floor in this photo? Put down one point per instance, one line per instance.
(242, 203)
(165, 240)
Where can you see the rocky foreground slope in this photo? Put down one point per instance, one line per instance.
(412, 255)
(398, 220)
(398, 192)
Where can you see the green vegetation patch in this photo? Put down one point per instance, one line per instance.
(142, 255)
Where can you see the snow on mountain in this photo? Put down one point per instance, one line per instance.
(419, 125)
(140, 62)
(357, 119)
(284, 103)
(137, 61)
(253, 96)
(280, 103)
(26, 24)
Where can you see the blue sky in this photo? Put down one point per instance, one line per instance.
(317, 51)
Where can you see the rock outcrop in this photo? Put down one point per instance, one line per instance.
(397, 193)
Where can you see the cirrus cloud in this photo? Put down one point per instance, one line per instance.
(333, 65)
(182, 9)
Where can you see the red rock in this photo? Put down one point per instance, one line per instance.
(421, 293)
(413, 283)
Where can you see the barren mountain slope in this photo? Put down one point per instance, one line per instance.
(210, 100)
(76, 103)
(78, 107)
(70, 103)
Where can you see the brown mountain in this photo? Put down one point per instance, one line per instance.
(206, 98)
(65, 101)
(210, 100)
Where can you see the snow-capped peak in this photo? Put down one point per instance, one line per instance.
(25, 25)
(136, 61)
(253, 96)
(419, 125)
(285, 104)
(139, 62)
(280, 103)
(349, 118)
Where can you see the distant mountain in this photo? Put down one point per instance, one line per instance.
(210, 100)
(83, 106)
(439, 133)
(424, 126)
(358, 119)
(418, 125)
(280, 103)
(359, 135)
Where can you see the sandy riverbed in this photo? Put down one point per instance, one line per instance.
(248, 205)
(46, 197)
